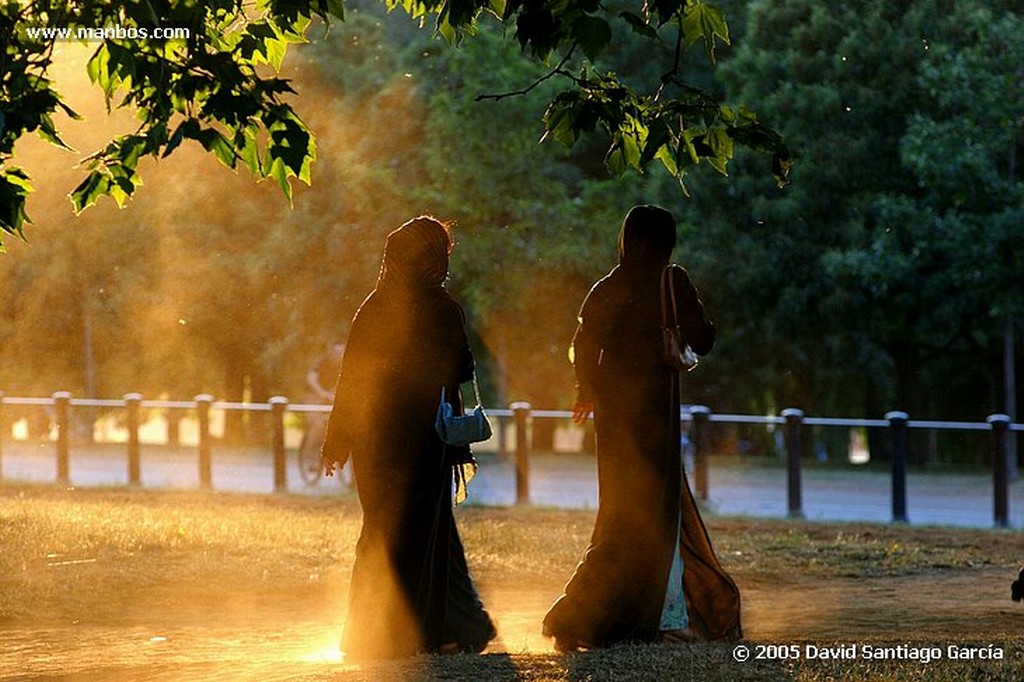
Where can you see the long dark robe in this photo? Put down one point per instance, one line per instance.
(618, 590)
(411, 590)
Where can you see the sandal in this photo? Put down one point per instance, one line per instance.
(683, 636)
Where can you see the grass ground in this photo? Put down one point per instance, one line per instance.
(130, 584)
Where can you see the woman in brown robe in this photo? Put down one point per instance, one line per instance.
(411, 591)
(650, 572)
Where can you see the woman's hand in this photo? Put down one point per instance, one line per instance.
(581, 411)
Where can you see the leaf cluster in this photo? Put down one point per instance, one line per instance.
(208, 86)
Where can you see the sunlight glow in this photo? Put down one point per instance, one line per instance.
(325, 649)
(330, 654)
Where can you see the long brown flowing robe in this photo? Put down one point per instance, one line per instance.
(411, 590)
(618, 590)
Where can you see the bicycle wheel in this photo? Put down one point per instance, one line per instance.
(311, 468)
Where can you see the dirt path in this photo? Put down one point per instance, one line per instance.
(298, 639)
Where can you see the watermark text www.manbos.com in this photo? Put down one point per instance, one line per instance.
(94, 33)
(868, 652)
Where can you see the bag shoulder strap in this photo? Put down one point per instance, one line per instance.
(666, 278)
(476, 389)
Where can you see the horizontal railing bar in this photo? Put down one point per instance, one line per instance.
(308, 407)
(546, 414)
(685, 413)
(42, 402)
(168, 404)
(949, 426)
(254, 407)
(848, 422)
(741, 418)
(97, 402)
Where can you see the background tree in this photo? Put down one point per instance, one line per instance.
(855, 289)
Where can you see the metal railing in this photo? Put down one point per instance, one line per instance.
(699, 419)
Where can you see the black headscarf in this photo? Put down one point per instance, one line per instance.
(416, 255)
(647, 238)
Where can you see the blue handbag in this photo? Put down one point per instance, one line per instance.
(462, 429)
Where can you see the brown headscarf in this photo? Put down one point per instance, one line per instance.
(416, 255)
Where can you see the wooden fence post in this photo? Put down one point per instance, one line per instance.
(1000, 424)
(502, 438)
(521, 413)
(203, 402)
(794, 425)
(132, 405)
(277, 407)
(173, 427)
(701, 415)
(900, 447)
(62, 404)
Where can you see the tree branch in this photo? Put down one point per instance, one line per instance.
(519, 93)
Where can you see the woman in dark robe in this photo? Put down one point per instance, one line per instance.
(411, 591)
(650, 572)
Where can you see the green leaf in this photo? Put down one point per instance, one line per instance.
(639, 25)
(213, 141)
(615, 160)
(593, 35)
(98, 69)
(655, 141)
(15, 187)
(335, 8)
(721, 148)
(278, 171)
(667, 156)
(48, 132)
(497, 7)
(188, 128)
(704, 22)
(89, 191)
(262, 43)
(560, 120)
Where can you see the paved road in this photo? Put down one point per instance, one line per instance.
(562, 480)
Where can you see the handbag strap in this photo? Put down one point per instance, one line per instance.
(476, 389)
(666, 273)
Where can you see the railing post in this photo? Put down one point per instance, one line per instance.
(502, 438)
(203, 402)
(900, 446)
(521, 413)
(701, 415)
(277, 407)
(1000, 424)
(173, 427)
(794, 425)
(132, 401)
(62, 404)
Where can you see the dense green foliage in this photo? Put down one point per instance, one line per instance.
(886, 275)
